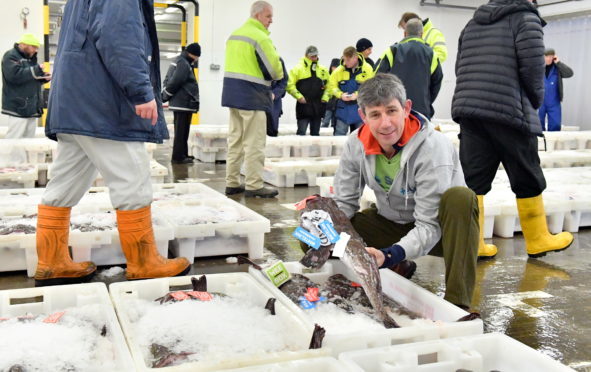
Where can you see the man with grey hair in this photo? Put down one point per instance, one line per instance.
(422, 203)
(415, 63)
(252, 63)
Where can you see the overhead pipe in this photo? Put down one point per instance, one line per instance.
(183, 21)
(438, 4)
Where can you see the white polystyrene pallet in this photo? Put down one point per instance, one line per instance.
(287, 172)
(405, 292)
(487, 352)
(230, 284)
(56, 298)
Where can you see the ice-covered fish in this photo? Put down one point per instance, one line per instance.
(355, 256)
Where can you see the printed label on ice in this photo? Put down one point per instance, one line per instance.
(329, 230)
(306, 237)
(278, 273)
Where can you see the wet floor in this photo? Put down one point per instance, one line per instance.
(544, 303)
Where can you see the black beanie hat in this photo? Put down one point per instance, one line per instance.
(363, 44)
(194, 49)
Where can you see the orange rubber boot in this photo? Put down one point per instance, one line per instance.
(138, 245)
(54, 265)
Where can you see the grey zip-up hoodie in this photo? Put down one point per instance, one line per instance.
(429, 166)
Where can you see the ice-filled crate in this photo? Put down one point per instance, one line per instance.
(421, 314)
(323, 364)
(172, 325)
(61, 328)
(215, 227)
(482, 353)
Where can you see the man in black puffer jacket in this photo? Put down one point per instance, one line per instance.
(500, 84)
(181, 88)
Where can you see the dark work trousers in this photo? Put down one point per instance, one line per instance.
(483, 146)
(458, 218)
(182, 125)
(314, 126)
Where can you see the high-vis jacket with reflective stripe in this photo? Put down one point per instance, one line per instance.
(434, 38)
(251, 64)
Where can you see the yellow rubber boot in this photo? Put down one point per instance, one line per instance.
(54, 264)
(137, 242)
(485, 251)
(538, 240)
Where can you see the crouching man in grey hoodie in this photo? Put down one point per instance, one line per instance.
(423, 205)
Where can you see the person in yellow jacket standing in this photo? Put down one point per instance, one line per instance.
(432, 36)
(252, 63)
(307, 84)
(344, 84)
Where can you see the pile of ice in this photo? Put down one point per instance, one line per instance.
(24, 225)
(160, 196)
(336, 320)
(93, 222)
(201, 214)
(213, 331)
(79, 341)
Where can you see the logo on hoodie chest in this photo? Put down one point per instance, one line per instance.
(409, 192)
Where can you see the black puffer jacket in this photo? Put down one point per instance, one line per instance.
(500, 66)
(180, 85)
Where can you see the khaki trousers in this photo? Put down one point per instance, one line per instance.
(247, 136)
(458, 217)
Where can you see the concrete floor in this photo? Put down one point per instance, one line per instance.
(544, 303)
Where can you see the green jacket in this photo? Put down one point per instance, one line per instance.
(434, 38)
(22, 78)
(251, 64)
(302, 71)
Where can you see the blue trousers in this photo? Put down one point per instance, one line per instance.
(554, 113)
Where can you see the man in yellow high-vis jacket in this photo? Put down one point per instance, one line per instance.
(432, 36)
(252, 63)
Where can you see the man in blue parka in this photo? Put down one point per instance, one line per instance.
(104, 104)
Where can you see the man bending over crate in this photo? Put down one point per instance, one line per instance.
(423, 206)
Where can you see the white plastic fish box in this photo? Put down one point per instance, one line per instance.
(313, 146)
(18, 176)
(231, 284)
(16, 249)
(191, 190)
(222, 238)
(324, 364)
(482, 353)
(290, 172)
(47, 300)
(403, 291)
(507, 222)
(338, 143)
(210, 154)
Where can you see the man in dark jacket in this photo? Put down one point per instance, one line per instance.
(365, 47)
(500, 84)
(556, 70)
(22, 78)
(307, 84)
(104, 104)
(277, 93)
(416, 64)
(181, 88)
